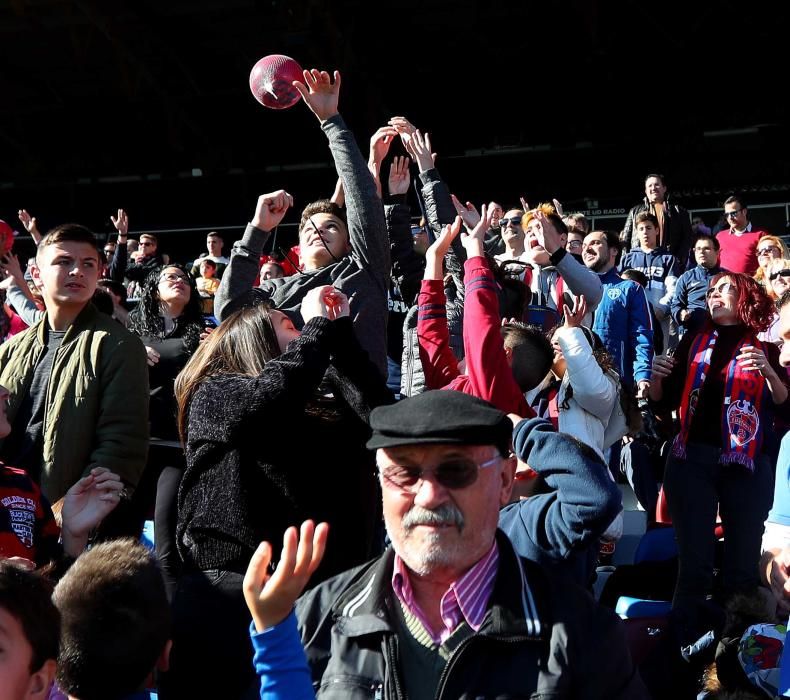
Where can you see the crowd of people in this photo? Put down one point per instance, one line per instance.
(434, 421)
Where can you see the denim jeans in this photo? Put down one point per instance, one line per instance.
(696, 488)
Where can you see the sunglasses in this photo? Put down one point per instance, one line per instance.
(762, 252)
(452, 474)
(720, 289)
(515, 220)
(780, 273)
(734, 212)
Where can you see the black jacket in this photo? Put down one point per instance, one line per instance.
(267, 452)
(677, 227)
(539, 638)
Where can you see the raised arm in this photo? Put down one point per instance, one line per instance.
(582, 502)
(116, 270)
(364, 210)
(240, 274)
(487, 366)
(29, 222)
(433, 334)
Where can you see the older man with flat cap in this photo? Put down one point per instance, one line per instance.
(451, 610)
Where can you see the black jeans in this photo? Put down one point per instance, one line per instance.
(212, 652)
(696, 487)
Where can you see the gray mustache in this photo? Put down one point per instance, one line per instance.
(445, 514)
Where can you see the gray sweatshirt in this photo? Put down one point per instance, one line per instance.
(363, 275)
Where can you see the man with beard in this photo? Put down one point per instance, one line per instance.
(622, 319)
(450, 610)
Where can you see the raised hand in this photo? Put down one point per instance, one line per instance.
(405, 128)
(399, 179)
(524, 204)
(468, 212)
(86, 504)
(380, 143)
(419, 148)
(271, 597)
(29, 222)
(546, 233)
(9, 263)
(472, 240)
(575, 316)
(320, 93)
(558, 207)
(121, 222)
(339, 195)
(270, 209)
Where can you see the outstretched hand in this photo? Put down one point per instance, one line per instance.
(270, 597)
(575, 316)
(438, 249)
(270, 209)
(468, 212)
(419, 148)
(87, 503)
(121, 222)
(472, 240)
(320, 93)
(546, 233)
(399, 179)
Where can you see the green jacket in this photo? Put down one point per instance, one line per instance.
(96, 410)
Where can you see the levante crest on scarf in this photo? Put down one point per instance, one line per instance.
(742, 421)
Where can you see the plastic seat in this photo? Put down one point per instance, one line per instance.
(629, 608)
(657, 544)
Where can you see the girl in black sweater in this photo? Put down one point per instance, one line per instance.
(274, 424)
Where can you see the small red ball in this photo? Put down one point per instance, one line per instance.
(271, 81)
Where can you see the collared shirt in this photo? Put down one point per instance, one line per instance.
(465, 599)
(735, 232)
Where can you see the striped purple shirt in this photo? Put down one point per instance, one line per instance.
(466, 599)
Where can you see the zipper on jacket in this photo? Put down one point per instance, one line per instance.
(453, 661)
(390, 645)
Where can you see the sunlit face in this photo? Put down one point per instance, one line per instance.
(767, 251)
(207, 270)
(496, 212)
(147, 246)
(536, 253)
(512, 232)
(174, 286)
(575, 242)
(779, 278)
(722, 299)
(17, 681)
(596, 253)
(284, 329)
(655, 190)
(736, 215)
(647, 234)
(558, 366)
(468, 516)
(67, 273)
(316, 253)
(270, 271)
(214, 246)
(706, 254)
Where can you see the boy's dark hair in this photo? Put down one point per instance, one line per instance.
(635, 276)
(531, 353)
(27, 596)
(115, 621)
(707, 237)
(658, 176)
(736, 199)
(322, 206)
(645, 216)
(69, 233)
(208, 262)
(216, 234)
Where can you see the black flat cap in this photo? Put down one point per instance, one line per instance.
(437, 417)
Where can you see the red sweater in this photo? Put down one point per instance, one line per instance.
(738, 253)
(488, 374)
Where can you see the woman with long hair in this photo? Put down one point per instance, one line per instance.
(769, 249)
(169, 321)
(777, 281)
(725, 384)
(274, 425)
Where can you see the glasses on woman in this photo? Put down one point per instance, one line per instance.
(452, 474)
(767, 250)
(780, 273)
(721, 289)
(173, 277)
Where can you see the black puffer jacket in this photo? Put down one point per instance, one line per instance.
(540, 638)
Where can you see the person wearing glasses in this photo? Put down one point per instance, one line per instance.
(273, 422)
(578, 228)
(776, 282)
(739, 242)
(452, 609)
(769, 250)
(169, 321)
(726, 385)
(512, 235)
